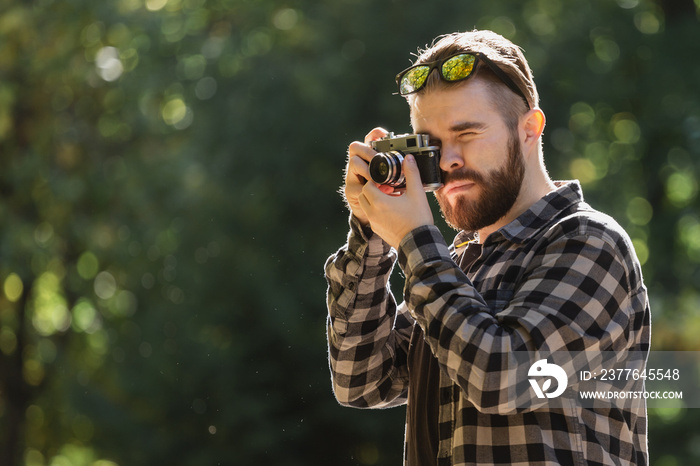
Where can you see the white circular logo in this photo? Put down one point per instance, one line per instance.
(542, 369)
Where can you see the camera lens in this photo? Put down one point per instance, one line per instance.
(385, 168)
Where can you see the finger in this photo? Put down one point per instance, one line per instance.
(364, 203)
(361, 150)
(386, 189)
(412, 174)
(375, 134)
(372, 193)
(370, 190)
(357, 171)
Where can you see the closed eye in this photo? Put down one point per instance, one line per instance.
(468, 134)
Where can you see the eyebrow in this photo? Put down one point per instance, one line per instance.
(465, 125)
(458, 127)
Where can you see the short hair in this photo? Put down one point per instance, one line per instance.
(505, 54)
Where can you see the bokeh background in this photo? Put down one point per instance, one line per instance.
(168, 178)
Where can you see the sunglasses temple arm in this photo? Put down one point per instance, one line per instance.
(506, 80)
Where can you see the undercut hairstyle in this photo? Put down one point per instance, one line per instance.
(506, 55)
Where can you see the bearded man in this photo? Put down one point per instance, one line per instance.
(533, 270)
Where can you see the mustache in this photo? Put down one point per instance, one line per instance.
(463, 174)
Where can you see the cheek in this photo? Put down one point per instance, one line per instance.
(479, 155)
(488, 154)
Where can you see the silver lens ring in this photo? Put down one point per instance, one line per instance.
(385, 168)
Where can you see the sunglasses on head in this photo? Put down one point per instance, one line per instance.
(452, 69)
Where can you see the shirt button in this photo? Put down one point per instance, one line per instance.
(351, 286)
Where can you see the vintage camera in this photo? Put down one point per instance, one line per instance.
(385, 167)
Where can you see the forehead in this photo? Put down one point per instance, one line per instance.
(443, 107)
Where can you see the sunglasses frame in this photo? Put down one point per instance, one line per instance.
(477, 56)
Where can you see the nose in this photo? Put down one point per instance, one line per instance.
(450, 158)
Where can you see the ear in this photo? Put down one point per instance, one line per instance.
(531, 128)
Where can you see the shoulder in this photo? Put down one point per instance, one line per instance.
(586, 231)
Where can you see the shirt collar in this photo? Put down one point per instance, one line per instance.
(537, 216)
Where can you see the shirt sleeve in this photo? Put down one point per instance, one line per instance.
(579, 291)
(368, 334)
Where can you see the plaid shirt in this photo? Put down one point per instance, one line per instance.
(561, 277)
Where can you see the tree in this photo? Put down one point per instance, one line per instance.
(169, 170)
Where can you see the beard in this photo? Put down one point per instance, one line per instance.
(499, 191)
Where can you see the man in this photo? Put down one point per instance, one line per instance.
(533, 269)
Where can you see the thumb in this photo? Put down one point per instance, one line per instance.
(412, 174)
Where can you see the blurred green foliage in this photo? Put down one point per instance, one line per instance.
(169, 176)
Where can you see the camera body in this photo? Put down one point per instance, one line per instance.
(385, 167)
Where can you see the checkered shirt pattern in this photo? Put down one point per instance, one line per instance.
(561, 277)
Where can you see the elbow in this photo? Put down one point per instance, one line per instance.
(345, 397)
(374, 397)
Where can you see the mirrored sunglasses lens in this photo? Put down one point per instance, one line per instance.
(458, 67)
(413, 79)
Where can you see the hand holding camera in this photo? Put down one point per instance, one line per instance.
(357, 172)
(396, 171)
